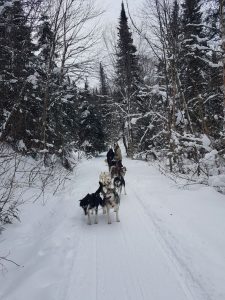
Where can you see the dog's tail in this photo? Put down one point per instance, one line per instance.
(99, 190)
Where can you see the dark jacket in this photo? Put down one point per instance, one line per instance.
(110, 155)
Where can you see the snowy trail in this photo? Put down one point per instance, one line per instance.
(123, 261)
(158, 251)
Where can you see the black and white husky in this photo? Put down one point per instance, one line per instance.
(91, 202)
(110, 200)
(119, 183)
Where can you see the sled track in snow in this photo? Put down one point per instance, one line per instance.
(184, 275)
(67, 281)
(136, 280)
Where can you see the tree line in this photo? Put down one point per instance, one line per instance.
(164, 97)
(46, 116)
(170, 97)
(45, 50)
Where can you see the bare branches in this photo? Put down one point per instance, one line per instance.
(24, 179)
(75, 28)
(4, 260)
(153, 46)
(8, 260)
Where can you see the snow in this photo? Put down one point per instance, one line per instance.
(7, 4)
(179, 117)
(43, 151)
(133, 121)
(21, 145)
(217, 180)
(206, 142)
(169, 244)
(85, 114)
(211, 64)
(33, 79)
(200, 40)
(86, 144)
(199, 47)
(13, 81)
(49, 145)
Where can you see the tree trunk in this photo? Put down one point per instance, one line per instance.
(124, 139)
(222, 22)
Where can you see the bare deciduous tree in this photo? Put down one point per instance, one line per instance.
(74, 27)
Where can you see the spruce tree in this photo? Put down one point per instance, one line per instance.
(127, 79)
(193, 70)
(214, 93)
(107, 110)
(175, 21)
(90, 126)
(127, 69)
(16, 70)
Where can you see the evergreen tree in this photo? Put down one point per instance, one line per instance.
(175, 21)
(179, 113)
(106, 108)
(127, 68)
(16, 70)
(58, 98)
(48, 88)
(194, 48)
(127, 79)
(214, 93)
(90, 127)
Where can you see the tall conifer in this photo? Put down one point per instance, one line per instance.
(127, 80)
(16, 71)
(193, 71)
(127, 68)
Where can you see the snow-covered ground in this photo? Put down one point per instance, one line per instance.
(169, 245)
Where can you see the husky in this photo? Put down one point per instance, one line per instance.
(105, 179)
(91, 202)
(111, 199)
(119, 183)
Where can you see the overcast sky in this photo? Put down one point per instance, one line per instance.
(112, 9)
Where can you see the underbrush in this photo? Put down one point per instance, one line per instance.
(23, 178)
(209, 169)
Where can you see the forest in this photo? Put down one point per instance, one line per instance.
(160, 90)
